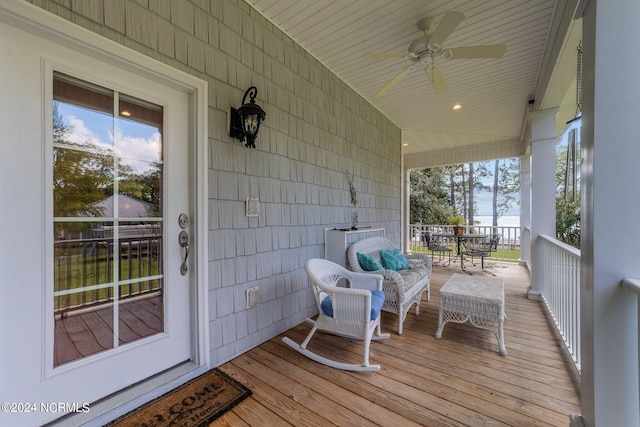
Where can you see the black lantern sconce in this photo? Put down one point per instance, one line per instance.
(244, 122)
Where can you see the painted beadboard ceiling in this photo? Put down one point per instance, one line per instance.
(494, 93)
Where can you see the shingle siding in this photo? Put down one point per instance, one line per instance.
(317, 130)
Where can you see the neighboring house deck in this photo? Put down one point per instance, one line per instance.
(89, 331)
(458, 380)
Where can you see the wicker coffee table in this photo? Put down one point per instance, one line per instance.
(479, 300)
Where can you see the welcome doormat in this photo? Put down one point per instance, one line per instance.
(194, 404)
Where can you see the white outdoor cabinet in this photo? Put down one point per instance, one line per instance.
(337, 242)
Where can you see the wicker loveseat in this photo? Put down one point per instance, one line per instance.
(402, 288)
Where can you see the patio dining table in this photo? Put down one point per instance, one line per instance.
(459, 239)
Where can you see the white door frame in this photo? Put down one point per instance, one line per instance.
(33, 20)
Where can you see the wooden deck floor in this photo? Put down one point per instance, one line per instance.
(458, 380)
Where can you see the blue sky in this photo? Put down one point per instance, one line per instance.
(136, 144)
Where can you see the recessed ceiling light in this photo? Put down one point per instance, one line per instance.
(405, 144)
(457, 107)
(125, 113)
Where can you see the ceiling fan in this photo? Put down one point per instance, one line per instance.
(425, 50)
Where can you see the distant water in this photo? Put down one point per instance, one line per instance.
(504, 221)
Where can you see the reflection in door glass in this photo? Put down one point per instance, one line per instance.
(107, 203)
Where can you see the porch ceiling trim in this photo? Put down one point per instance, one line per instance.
(471, 153)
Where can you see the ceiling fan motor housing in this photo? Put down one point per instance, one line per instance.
(422, 46)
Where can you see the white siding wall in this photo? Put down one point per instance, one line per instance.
(317, 129)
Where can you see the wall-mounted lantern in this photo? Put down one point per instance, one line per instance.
(244, 122)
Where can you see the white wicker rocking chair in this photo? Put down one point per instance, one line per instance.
(347, 312)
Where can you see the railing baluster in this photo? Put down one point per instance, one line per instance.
(561, 291)
(83, 251)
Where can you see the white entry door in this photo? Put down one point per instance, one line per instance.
(97, 224)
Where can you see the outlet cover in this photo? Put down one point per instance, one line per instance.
(253, 297)
(252, 206)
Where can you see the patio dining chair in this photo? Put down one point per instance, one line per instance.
(437, 245)
(480, 248)
(349, 312)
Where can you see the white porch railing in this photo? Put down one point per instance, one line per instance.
(508, 246)
(560, 290)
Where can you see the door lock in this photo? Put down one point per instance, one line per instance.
(183, 220)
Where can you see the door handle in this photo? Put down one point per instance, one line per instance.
(183, 239)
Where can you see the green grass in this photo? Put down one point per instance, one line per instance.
(504, 254)
(76, 271)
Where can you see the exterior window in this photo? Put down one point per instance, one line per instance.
(107, 219)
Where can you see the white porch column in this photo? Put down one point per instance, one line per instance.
(525, 210)
(610, 198)
(543, 188)
(406, 211)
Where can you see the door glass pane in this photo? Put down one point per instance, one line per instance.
(107, 203)
(83, 315)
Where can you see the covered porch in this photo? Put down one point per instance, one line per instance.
(320, 128)
(458, 380)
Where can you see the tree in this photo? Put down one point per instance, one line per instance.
(494, 199)
(508, 186)
(429, 201)
(452, 185)
(150, 187)
(568, 221)
(82, 174)
(567, 193)
(479, 173)
(471, 192)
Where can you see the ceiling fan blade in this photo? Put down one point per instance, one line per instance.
(488, 51)
(372, 55)
(446, 26)
(395, 80)
(437, 79)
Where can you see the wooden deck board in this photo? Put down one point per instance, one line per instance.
(458, 380)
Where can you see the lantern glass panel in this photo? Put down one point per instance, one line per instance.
(251, 123)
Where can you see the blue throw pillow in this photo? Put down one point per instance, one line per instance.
(394, 260)
(377, 300)
(368, 263)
